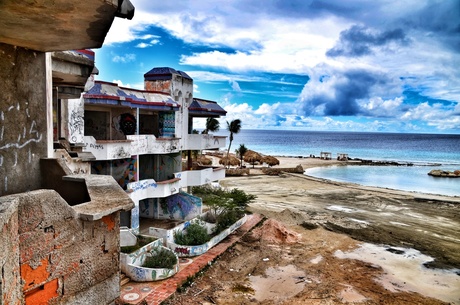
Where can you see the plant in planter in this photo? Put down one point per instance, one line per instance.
(195, 234)
(226, 207)
(160, 258)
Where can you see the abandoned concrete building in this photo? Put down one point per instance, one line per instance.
(138, 137)
(79, 158)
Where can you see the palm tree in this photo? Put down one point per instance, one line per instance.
(241, 151)
(233, 127)
(212, 125)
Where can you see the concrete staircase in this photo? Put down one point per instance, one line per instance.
(124, 279)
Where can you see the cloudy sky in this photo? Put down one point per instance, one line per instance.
(355, 65)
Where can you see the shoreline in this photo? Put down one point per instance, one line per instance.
(307, 163)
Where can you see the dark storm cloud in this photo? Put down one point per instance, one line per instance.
(348, 89)
(359, 41)
(306, 8)
(440, 19)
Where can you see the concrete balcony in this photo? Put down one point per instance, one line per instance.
(149, 144)
(204, 141)
(200, 177)
(134, 145)
(149, 188)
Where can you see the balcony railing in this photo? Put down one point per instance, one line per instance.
(200, 177)
(150, 188)
(134, 145)
(204, 141)
(149, 144)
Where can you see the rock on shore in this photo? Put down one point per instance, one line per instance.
(442, 173)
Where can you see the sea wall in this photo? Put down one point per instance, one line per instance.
(276, 171)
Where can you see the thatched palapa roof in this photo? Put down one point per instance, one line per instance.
(270, 160)
(233, 161)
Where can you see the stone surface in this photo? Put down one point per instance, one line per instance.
(443, 173)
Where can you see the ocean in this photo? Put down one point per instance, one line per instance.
(425, 151)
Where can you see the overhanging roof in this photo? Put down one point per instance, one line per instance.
(104, 93)
(59, 24)
(164, 73)
(205, 108)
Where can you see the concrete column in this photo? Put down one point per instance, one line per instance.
(25, 118)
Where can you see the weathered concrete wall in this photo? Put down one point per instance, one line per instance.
(159, 85)
(11, 292)
(23, 118)
(49, 255)
(73, 192)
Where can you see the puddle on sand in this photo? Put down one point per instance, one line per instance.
(404, 271)
(317, 259)
(340, 208)
(350, 295)
(278, 283)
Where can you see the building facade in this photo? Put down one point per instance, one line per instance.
(140, 138)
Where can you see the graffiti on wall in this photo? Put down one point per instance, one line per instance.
(18, 137)
(18, 132)
(76, 126)
(181, 206)
(123, 171)
(167, 125)
(123, 124)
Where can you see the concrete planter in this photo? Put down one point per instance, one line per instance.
(168, 234)
(138, 273)
(133, 257)
(189, 251)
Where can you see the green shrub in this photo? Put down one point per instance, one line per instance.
(160, 258)
(227, 218)
(226, 207)
(194, 235)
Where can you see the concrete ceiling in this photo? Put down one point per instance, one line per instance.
(56, 25)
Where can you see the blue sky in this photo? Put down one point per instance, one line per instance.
(355, 65)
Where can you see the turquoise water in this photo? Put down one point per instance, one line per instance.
(443, 150)
(407, 178)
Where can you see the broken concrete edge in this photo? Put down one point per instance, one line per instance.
(72, 57)
(8, 207)
(107, 197)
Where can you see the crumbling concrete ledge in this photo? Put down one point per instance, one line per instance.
(106, 197)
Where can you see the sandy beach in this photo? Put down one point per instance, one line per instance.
(326, 242)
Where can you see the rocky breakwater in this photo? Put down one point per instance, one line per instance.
(381, 163)
(442, 173)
